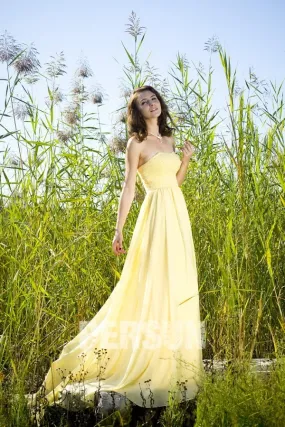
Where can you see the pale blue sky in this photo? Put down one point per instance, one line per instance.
(252, 33)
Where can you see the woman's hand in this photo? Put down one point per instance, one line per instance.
(188, 151)
(117, 244)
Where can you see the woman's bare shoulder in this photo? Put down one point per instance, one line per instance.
(133, 149)
(132, 141)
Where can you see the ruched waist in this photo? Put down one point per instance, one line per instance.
(157, 184)
(152, 188)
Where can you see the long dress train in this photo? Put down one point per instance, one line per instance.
(150, 324)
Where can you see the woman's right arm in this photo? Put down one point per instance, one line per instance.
(128, 192)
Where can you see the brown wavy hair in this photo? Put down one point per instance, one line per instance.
(135, 120)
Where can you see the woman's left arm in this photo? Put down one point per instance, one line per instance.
(188, 151)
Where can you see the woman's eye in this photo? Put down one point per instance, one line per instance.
(153, 99)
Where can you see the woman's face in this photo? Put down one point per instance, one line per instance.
(148, 104)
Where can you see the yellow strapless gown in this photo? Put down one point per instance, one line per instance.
(150, 324)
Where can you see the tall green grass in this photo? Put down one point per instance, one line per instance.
(59, 197)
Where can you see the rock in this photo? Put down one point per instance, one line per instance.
(104, 402)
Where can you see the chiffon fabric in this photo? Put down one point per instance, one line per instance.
(145, 341)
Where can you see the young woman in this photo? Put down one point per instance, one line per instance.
(149, 328)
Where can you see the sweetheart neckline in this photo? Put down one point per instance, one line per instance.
(158, 152)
